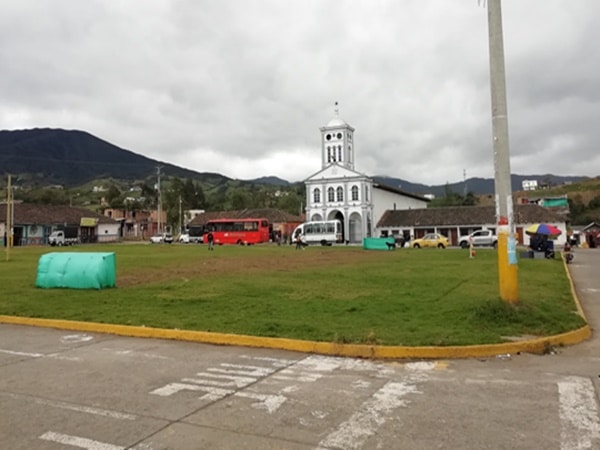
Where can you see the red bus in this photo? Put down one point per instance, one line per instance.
(238, 231)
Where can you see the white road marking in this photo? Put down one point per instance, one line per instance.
(270, 403)
(276, 362)
(503, 382)
(212, 393)
(71, 407)
(134, 353)
(80, 442)
(211, 379)
(40, 355)
(234, 376)
(580, 426)
(308, 370)
(371, 415)
(238, 369)
(353, 433)
(359, 384)
(220, 382)
(319, 363)
(12, 352)
(75, 338)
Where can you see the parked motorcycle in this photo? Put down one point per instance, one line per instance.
(568, 253)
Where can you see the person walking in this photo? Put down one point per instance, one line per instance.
(299, 243)
(211, 241)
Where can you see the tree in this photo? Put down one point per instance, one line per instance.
(148, 196)
(45, 196)
(291, 202)
(114, 197)
(237, 198)
(192, 195)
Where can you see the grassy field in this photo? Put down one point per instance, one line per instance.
(335, 294)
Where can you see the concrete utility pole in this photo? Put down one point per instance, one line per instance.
(159, 209)
(180, 216)
(9, 225)
(507, 258)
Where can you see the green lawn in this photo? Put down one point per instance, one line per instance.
(336, 294)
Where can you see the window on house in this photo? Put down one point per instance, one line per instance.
(340, 153)
(317, 195)
(330, 195)
(340, 194)
(354, 193)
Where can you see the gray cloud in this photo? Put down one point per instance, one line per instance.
(241, 88)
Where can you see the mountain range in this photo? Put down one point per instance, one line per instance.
(44, 156)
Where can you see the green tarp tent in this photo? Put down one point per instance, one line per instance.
(76, 270)
(379, 243)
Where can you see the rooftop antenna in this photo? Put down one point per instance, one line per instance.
(465, 181)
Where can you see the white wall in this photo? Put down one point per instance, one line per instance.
(384, 200)
(108, 232)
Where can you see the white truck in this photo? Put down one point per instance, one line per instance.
(66, 236)
(480, 238)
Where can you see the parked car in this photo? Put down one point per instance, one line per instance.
(480, 238)
(185, 238)
(430, 240)
(167, 238)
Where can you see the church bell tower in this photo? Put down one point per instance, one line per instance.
(337, 142)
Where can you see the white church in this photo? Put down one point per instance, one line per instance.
(338, 191)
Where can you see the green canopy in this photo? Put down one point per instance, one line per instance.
(76, 270)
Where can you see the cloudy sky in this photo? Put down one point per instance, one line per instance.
(241, 87)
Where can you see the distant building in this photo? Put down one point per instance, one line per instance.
(338, 191)
(190, 214)
(529, 185)
(456, 221)
(34, 223)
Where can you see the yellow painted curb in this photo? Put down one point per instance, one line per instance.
(538, 345)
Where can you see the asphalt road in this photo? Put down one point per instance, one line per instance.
(68, 390)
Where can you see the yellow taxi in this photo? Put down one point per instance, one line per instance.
(435, 240)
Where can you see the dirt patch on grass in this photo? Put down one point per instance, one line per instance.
(215, 265)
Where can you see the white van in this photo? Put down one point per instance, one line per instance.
(324, 232)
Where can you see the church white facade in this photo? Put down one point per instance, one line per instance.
(338, 191)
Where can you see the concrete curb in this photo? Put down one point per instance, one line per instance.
(538, 345)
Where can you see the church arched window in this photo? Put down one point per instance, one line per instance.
(317, 195)
(355, 193)
(340, 194)
(367, 193)
(328, 154)
(330, 195)
(340, 153)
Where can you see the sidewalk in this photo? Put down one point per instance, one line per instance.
(585, 271)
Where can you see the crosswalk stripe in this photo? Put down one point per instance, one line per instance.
(580, 425)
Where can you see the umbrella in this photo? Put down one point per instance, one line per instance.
(543, 228)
